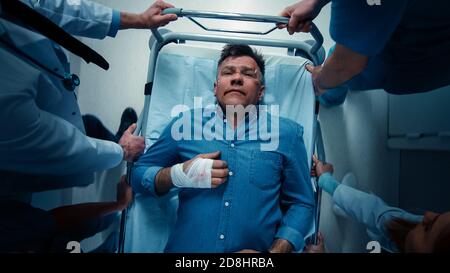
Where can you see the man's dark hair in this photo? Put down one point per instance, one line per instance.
(231, 50)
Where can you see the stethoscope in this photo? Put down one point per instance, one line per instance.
(69, 81)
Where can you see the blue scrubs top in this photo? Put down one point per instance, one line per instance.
(399, 37)
(363, 28)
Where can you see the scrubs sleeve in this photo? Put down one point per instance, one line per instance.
(365, 28)
(79, 17)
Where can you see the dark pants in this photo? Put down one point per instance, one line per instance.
(24, 228)
(95, 128)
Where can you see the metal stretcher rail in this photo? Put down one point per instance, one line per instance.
(190, 14)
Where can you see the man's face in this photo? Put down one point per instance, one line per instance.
(238, 82)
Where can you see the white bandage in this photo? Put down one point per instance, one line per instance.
(197, 176)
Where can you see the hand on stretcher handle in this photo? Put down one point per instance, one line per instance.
(315, 33)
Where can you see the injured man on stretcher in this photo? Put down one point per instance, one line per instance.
(242, 187)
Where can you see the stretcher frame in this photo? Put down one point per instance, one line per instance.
(306, 49)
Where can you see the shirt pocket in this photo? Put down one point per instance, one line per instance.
(265, 169)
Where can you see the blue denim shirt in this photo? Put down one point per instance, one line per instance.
(267, 195)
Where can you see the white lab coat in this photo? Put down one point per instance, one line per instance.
(41, 129)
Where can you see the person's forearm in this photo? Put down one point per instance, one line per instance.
(318, 4)
(130, 20)
(328, 183)
(163, 181)
(340, 67)
(69, 217)
(45, 138)
(281, 246)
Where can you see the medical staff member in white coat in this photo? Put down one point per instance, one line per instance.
(41, 129)
(42, 140)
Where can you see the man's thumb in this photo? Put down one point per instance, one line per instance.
(131, 128)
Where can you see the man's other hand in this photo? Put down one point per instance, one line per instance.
(319, 248)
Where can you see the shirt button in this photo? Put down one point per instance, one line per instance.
(227, 204)
(232, 145)
(230, 173)
(222, 236)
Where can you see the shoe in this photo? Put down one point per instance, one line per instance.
(129, 117)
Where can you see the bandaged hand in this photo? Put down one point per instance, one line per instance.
(203, 171)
